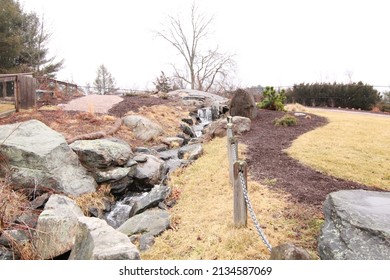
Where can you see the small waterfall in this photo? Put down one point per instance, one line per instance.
(205, 115)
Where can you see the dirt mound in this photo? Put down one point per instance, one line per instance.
(134, 103)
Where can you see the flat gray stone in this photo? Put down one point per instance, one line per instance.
(114, 174)
(140, 158)
(153, 198)
(96, 240)
(152, 222)
(357, 226)
(170, 154)
(102, 153)
(289, 251)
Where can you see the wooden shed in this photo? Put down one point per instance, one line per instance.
(19, 89)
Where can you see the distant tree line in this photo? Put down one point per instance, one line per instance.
(353, 95)
(23, 42)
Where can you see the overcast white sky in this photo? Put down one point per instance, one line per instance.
(278, 42)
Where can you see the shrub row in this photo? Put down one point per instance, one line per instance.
(354, 95)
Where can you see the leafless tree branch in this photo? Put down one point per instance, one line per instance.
(203, 68)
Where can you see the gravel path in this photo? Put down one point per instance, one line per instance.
(93, 103)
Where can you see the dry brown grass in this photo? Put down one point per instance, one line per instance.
(22, 250)
(202, 220)
(72, 124)
(167, 116)
(95, 200)
(352, 146)
(4, 107)
(295, 107)
(12, 205)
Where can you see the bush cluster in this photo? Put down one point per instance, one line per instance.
(286, 120)
(354, 95)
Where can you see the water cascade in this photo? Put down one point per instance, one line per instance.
(205, 116)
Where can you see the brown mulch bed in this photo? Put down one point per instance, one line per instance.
(267, 160)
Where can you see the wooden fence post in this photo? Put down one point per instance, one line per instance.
(17, 94)
(4, 93)
(233, 157)
(229, 135)
(239, 204)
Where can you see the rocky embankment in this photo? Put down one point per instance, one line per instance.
(56, 174)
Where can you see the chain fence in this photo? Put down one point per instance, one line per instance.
(240, 177)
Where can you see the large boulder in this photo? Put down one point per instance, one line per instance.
(39, 155)
(151, 222)
(95, 240)
(57, 227)
(203, 98)
(150, 173)
(218, 128)
(102, 153)
(143, 128)
(357, 226)
(243, 104)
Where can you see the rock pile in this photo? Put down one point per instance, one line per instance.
(40, 156)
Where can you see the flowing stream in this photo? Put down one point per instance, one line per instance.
(121, 210)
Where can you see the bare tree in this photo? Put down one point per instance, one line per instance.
(349, 74)
(203, 67)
